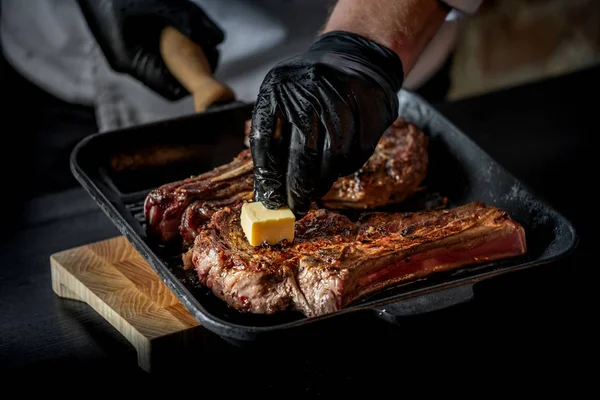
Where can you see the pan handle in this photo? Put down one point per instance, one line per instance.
(394, 312)
(188, 64)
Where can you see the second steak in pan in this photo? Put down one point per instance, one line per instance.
(393, 173)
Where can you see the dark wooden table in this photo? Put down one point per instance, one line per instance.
(540, 318)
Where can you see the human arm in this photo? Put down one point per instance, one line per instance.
(403, 26)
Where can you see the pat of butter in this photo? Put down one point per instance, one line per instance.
(263, 225)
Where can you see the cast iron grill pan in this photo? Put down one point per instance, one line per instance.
(459, 170)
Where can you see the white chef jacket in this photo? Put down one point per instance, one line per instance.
(49, 43)
(441, 45)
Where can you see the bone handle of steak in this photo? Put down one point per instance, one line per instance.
(234, 173)
(188, 64)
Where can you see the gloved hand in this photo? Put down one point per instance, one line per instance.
(319, 116)
(128, 33)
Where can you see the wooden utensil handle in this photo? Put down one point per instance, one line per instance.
(188, 64)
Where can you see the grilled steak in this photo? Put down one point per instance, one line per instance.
(393, 173)
(198, 214)
(334, 261)
(164, 206)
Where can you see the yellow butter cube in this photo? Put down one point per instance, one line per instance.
(263, 225)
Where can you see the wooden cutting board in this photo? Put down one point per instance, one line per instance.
(116, 281)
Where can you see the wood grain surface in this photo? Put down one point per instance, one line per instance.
(117, 282)
(188, 64)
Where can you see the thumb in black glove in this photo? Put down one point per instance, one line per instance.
(319, 116)
(128, 33)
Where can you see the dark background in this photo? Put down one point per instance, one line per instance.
(534, 328)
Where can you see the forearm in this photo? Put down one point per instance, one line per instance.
(404, 26)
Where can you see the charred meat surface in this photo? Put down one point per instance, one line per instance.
(333, 261)
(393, 173)
(165, 206)
(199, 213)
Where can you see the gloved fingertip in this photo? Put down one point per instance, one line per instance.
(153, 73)
(299, 203)
(272, 203)
(266, 193)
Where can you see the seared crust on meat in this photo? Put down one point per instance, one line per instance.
(392, 174)
(334, 261)
(164, 206)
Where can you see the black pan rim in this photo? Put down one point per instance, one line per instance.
(245, 332)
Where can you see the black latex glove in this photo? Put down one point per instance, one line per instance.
(319, 116)
(128, 33)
